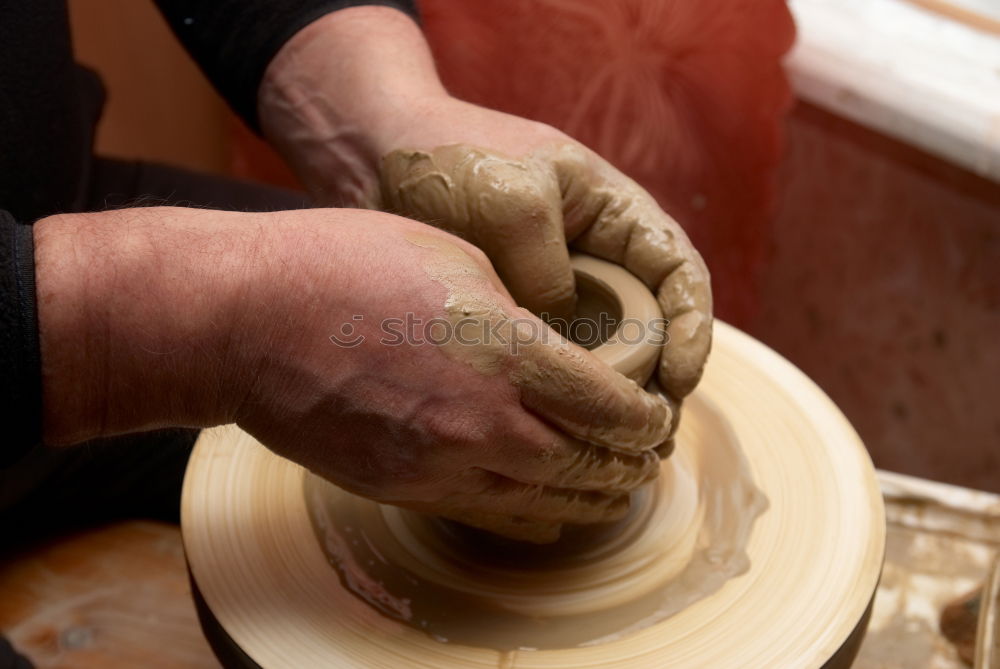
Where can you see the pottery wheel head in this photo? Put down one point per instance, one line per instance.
(760, 545)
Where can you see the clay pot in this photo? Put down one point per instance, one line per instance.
(608, 293)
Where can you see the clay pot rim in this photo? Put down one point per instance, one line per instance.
(636, 305)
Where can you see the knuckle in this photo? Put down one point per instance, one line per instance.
(454, 426)
(478, 255)
(516, 194)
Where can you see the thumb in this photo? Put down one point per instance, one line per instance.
(511, 209)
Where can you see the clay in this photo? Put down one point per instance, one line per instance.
(554, 376)
(509, 208)
(607, 290)
(564, 383)
(521, 211)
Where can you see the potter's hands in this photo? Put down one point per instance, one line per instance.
(499, 426)
(529, 193)
(220, 317)
(355, 106)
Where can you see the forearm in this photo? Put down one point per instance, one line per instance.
(333, 98)
(137, 312)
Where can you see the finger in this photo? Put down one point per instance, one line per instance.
(486, 492)
(570, 388)
(519, 227)
(610, 216)
(644, 240)
(675, 404)
(686, 299)
(511, 209)
(512, 527)
(493, 493)
(666, 449)
(535, 453)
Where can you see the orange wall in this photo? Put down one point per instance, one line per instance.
(159, 105)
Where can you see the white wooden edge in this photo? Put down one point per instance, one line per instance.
(906, 71)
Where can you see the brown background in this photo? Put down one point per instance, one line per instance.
(159, 106)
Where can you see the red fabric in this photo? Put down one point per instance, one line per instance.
(685, 96)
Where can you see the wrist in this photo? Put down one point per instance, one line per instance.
(337, 93)
(136, 310)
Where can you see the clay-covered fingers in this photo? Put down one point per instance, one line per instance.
(516, 215)
(511, 209)
(685, 297)
(486, 492)
(536, 513)
(512, 527)
(610, 216)
(570, 388)
(535, 453)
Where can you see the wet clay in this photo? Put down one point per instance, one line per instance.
(685, 535)
(544, 366)
(562, 382)
(521, 211)
(632, 339)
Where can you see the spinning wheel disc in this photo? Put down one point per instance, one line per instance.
(814, 555)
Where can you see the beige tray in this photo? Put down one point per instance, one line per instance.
(943, 541)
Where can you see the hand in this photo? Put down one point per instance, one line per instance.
(529, 193)
(224, 317)
(364, 124)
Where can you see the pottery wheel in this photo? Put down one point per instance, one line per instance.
(299, 573)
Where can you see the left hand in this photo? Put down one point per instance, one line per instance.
(523, 192)
(365, 124)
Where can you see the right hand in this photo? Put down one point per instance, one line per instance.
(515, 439)
(517, 436)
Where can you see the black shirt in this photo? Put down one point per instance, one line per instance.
(49, 108)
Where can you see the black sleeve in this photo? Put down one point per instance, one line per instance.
(20, 366)
(234, 40)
